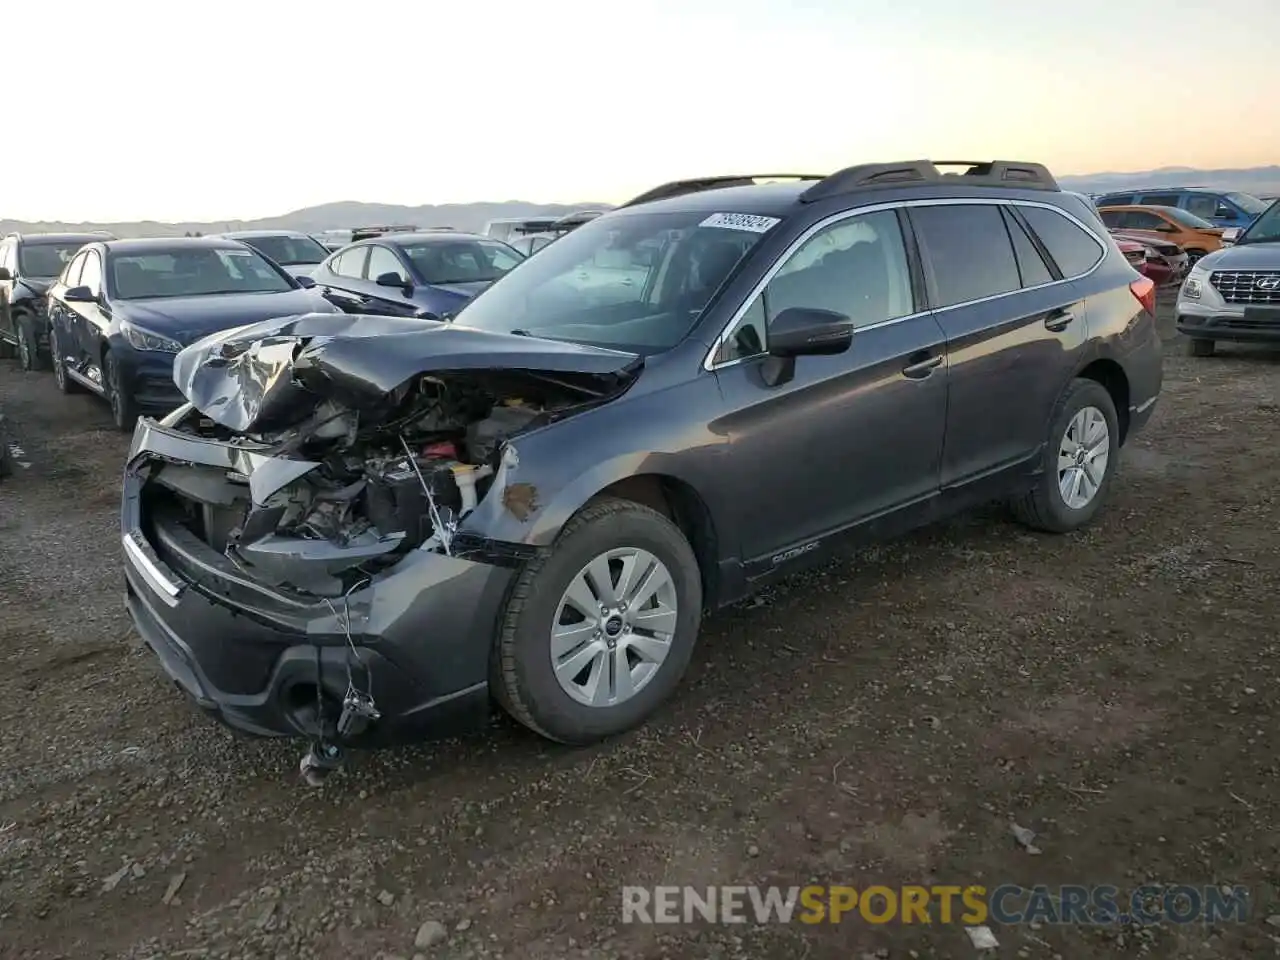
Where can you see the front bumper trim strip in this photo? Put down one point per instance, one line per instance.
(169, 589)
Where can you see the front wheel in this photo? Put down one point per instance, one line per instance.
(124, 411)
(598, 633)
(1079, 460)
(64, 383)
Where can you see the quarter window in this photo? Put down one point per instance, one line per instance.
(1074, 250)
(969, 251)
(1030, 264)
(350, 263)
(857, 267)
(92, 275)
(382, 260)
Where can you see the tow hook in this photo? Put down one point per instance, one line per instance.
(320, 760)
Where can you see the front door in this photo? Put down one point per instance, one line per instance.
(389, 301)
(848, 437)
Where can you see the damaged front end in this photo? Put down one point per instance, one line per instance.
(319, 487)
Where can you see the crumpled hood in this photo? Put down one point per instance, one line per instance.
(1243, 256)
(187, 319)
(273, 374)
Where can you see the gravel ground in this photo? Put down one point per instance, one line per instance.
(879, 720)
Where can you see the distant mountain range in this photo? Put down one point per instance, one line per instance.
(1260, 181)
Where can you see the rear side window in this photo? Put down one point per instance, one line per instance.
(1116, 200)
(1203, 205)
(1074, 250)
(969, 251)
(1030, 264)
(1161, 199)
(350, 263)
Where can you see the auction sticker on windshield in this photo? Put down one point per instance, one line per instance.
(739, 221)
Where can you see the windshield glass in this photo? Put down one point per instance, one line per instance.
(461, 260)
(193, 273)
(1266, 229)
(1187, 219)
(634, 281)
(288, 251)
(1248, 203)
(46, 260)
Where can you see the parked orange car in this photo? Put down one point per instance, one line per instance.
(1194, 234)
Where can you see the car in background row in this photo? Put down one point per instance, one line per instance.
(1234, 294)
(299, 253)
(29, 263)
(1219, 208)
(429, 274)
(1194, 235)
(1163, 262)
(122, 309)
(530, 244)
(514, 228)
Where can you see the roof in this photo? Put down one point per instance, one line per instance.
(424, 236)
(39, 238)
(772, 199)
(1158, 207)
(246, 234)
(165, 244)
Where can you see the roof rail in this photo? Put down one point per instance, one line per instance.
(978, 173)
(677, 188)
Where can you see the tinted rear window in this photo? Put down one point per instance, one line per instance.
(1030, 264)
(969, 251)
(1072, 248)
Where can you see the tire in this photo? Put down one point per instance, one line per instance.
(1201, 348)
(1045, 506)
(1193, 256)
(64, 383)
(28, 348)
(523, 676)
(124, 411)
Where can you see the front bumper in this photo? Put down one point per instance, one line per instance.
(1223, 321)
(258, 658)
(147, 376)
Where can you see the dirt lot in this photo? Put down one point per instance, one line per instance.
(877, 721)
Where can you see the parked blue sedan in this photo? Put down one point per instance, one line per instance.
(422, 274)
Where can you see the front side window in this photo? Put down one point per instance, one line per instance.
(1202, 205)
(460, 261)
(1075, 251)
(1142, 220)
(289, 251)
(46, 260)
(968, 250)
(1188, 219)
(1248, 203)
(856, 267)
(197, 272)
(71, 274)
(382, 260)
(634, 281)
(91, 276)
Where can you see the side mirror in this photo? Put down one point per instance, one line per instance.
(802, 331)
(1230, 235)
(5, 274)
(79, 295)
(305, 282)
(393, 280)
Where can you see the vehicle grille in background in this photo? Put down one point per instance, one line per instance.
(1241, 286)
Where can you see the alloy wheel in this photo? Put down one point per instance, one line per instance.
(613, 627)
(1083, 456)
(26, 355)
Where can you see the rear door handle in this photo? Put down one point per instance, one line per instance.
(1059, 320)
(922, 368)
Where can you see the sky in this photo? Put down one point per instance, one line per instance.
(131, 109)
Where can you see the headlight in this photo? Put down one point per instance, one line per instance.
(140, 338)
(1192, 288)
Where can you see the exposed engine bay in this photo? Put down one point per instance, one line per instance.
(350, 458)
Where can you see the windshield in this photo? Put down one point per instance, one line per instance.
(1266, 229)
(460, 261)
(193, 273)
(634, 281)
(1248, 203)
(1187, 219)
(46, 260)
(288, 251)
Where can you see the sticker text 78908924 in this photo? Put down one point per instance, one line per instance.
(739, 221)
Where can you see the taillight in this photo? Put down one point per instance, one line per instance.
(1144, 288)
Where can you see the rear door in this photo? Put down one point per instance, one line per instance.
(61, 318)
(1013, 325)
(343, 280)
(89, 320)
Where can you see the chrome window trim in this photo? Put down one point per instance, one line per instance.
(708, 362)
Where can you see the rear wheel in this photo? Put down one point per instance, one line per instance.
(598, 633)
(1079, 460)
(1202, 348)
(123, 409)
(65, 384)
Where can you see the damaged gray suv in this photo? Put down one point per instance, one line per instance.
(362, 529)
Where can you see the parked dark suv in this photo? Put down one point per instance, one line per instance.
(29, 264)
(362, 528)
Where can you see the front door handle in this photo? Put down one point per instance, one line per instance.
(1059, 320)
(922, 368)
